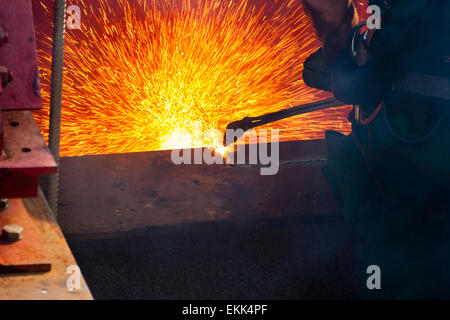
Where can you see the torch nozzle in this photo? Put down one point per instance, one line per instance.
(236, 129)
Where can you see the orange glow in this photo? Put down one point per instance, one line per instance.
(140, 74)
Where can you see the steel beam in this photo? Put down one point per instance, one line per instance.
(122, 192)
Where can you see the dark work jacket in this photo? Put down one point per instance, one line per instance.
(396, 194)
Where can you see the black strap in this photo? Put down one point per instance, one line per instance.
(424, 85)
(420, 103)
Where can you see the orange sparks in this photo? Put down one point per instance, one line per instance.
(146, 75)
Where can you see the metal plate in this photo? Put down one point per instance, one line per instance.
(27, 254)
(51, 285)
(19, 56)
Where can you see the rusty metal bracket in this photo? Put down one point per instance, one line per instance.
(25, 156)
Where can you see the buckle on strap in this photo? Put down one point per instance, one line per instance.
(361, 119)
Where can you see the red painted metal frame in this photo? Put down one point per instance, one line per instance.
(19, 56)
(24, 153)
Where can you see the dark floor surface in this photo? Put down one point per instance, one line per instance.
(224, 261)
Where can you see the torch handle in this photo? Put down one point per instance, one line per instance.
(248, 123)
(286, 113)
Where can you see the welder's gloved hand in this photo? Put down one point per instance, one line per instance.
(334, 21)
(317, 71)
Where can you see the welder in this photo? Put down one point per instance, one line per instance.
(391, 175)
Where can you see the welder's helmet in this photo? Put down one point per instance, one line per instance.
(383, 4)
